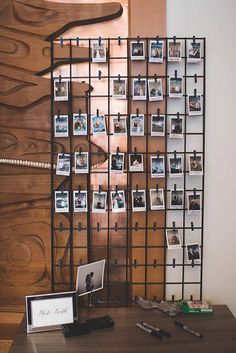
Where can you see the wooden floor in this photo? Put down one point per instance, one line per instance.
(9, 323)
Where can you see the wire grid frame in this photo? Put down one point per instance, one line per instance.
(180, 279)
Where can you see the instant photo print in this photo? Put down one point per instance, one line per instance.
(194, 203)
(80, 201)
(156, 49)
(98, 125)
(117, 161)
(80, 124)
(99, 51)
(173, 239)
(61, 201)
(174, 51)
(90, 278)
(193, 252)
(63, 164)
(136, 162)
(99, 202)
(137, 50)
(157, 167)
(138, 200)
(195, 165)
(136, 125)
(175, 87)
(61, 90)
(155, 90)
(61, 128)
(194, 105)
(81, 162)
(176, 127)
(194, 52)
(176, 198)
(175, 166)
(157, 199)
(119, 88)
(118, 201)
(119, 126)
(139, 89)
(157, 125)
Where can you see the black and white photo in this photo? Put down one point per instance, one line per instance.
(138, 200)
(63, 164)
(156, 49)
(61, 90)
(99, 201)
(157, 125)
(174, 51)
(119, 126)
(155, 90)
(194, 52)
(90, 277)
(99, 51)
(136, 125)
(98, 125)
(195, 104)
(139, 89)
(176, 127)
(175, 87)
(80, 124)
(61, 128)
(136, 162)
(176, 198)
(117, 161)
(80, 201)
(81, 162)
(195, 165)
(175, 166)
(194, 203)
(118, 201)
(157, 167)
(157, 199)
(193, 252)
(173, 239)
(61, 201)
(137, 50)
(119, 88)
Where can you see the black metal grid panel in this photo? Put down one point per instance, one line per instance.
(68, 280)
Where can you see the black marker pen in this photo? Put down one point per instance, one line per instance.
(186, 328)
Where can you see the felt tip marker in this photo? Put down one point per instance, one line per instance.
(186, 328)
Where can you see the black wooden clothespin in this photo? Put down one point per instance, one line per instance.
(79, 112)
(79, 189)
(97, 112)
(175, 156)
(61, 227)
(157, 188)
(155, 226)
(155, 263)
(77, 41)
(155, 77)
(136, 226)
(177, 115)
(98, 227)
(139, 78)
(137, 111)
(191, 298)
(116, 190)
(135, 263)
(157, 39)
(116, 227)
(194, 40)
(192, 226)
(195, 78)
(136, 187)
(99, 189)
(195, 92)
(173, 263)
(158, 112)
(176, 74)
(59, 78)
(118, 115)
(116, 263)
(194, 153)
(80, 150)
(192, 264)
(119, 40)
(174, 187)
(99, 74)
(173, 298)
(61, 42)
(58, 113)
(174, 39)
(194, 192)
(158, 154)
(117, 150)
(99, 40)
(173, 225)
(79, 227)
(135, 150)
(119, 78)
(138, 39)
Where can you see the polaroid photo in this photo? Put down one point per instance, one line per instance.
(136, 162)
(138, 200)
(137, 51)
(61, 128)
(194, 203)
(119, 88)
(119, 126)
(193, 252)
(81, 162)
(156, 50)
(136, 125)
(175, 166)
(99, 202)
(155, 90)
(80, 124)
(173, 239)
(139, 89)
(118, 201)
(194, 52)
(61, 90)
(99, 51)
(158, 125)
(157, 199)
(63, 164)
(61, 201)
(117, 161)
(174, 51)
(98, 125)
(195, 165)
(157, 167)
(90, 277)
(175, 87)
(177, 199)
(176, 127)
(80, 201)
(195, 105)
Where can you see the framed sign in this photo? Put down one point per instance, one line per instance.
(49, 311)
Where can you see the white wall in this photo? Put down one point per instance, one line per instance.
(215, 20)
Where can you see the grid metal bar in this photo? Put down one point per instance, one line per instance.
(109, 174)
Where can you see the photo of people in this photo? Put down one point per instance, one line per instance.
(81, 162)
(176, 166)
(157, 167)
(90, 277)
(138, 200)
(119, 88)
(99, 51)
(117, 161)
(157, 199)
(136, 162)
(80, 201)
(176, 127)
(137, 50)
(195, 165)
(61, 126)
(176, 198)
(98, 125)
(99, 201)
(63, 164)
(61, 90)
(155, 90)
(175, 87)
(80, 124)
(139, 89)
(118, 201)
(61, 201)
(195, 105)
(120, 126)
(194, 52)
(156, 49)
(193, 252)
(158, 125)
(136, 125)
(174, 51)
(194, 204)
(173, 239)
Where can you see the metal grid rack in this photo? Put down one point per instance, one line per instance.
(79, 233)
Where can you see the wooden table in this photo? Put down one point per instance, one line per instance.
(219, 330)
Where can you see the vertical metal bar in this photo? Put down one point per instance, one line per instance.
(128, 203)
(108, 198)
(89, 250)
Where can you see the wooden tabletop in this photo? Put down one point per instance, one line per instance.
(218, 329)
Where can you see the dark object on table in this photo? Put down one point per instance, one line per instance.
(186, 328)
(71, 330)
(100, 323)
